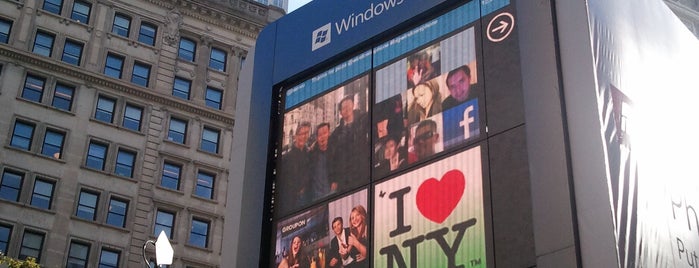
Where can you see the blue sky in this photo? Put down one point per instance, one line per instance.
(294, 4)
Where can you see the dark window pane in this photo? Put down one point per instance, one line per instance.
(32, 244)
(146, 34)
(109, 259)
(171, 176)
(11, 185)
(217, 60)
(213, 98)
(132, 117)
(113, 66)
(77, 255)
(187, 49)
(81, 11)
(33, 88)
(63, 97)
(105, 109)
(181, 88)
(87, 205)
(53, 144)
(42, 194)
(96, 155)
(199, 234)
(5, 27)
(43, 44)
(117, 213)
(72, 52)
(22, 135)
(121, 25)
(209, 140)
(125, 163)
(5, 233)
(205, 185)
(53, 6)
(164, 221)
(177, 131)
(141, 74)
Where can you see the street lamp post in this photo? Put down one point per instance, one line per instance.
(163, 250)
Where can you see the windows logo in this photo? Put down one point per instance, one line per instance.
(321, 37)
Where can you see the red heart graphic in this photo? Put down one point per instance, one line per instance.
(437, 199)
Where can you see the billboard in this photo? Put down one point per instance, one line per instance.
(433, 216)
(652, 199)
(371, 148)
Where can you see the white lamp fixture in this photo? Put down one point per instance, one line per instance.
(163, 250)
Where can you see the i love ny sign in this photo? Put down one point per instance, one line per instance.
(433, 216)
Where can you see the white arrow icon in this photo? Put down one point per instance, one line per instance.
(502, 27)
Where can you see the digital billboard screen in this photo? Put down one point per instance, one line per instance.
(406, 113)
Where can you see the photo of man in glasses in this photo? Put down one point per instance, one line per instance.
(424, 142)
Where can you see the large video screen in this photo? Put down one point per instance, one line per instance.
(433, 215)
(400, 115)
(427, 102)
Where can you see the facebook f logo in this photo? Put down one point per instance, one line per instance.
(321, 37)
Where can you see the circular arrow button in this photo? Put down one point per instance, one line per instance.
(500, 27)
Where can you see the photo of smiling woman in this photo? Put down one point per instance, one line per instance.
(427, 101)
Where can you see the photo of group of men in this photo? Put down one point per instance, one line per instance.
(333, 235)
(426, 102)
(326, 146)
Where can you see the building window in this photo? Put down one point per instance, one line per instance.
(105, 109)
(177, 131)
(96, 155)
(199, 236)
(72, 52)
(117, 212)
(53, 144)
(42, 195)
(171, 176)
(132, 117)
(22, 135)
(122, 24)
(5, 233)
(205, 185)
(32, 244)
(217, 60)
(11, 185)
(141, 74)
(63, 97)
(188, 49)
(209, 140)
(33, 88)
(147, 33)
(81, 11)
(114, 65)
(214, 98)
(53, 6)
(164, 221)
(109, 259)
(87, 205)
(43, 43)
(125, 163)
(181, 88)
(5, 27)
(77, 255)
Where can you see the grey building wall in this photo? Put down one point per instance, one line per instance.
(229, 27)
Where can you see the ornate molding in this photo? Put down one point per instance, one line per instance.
(238, 16)
(97, 80)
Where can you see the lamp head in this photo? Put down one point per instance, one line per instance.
(163, 249)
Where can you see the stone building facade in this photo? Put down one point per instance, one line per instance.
(116, 123)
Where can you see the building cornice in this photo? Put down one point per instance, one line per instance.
(238, 16)
(98, 80)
